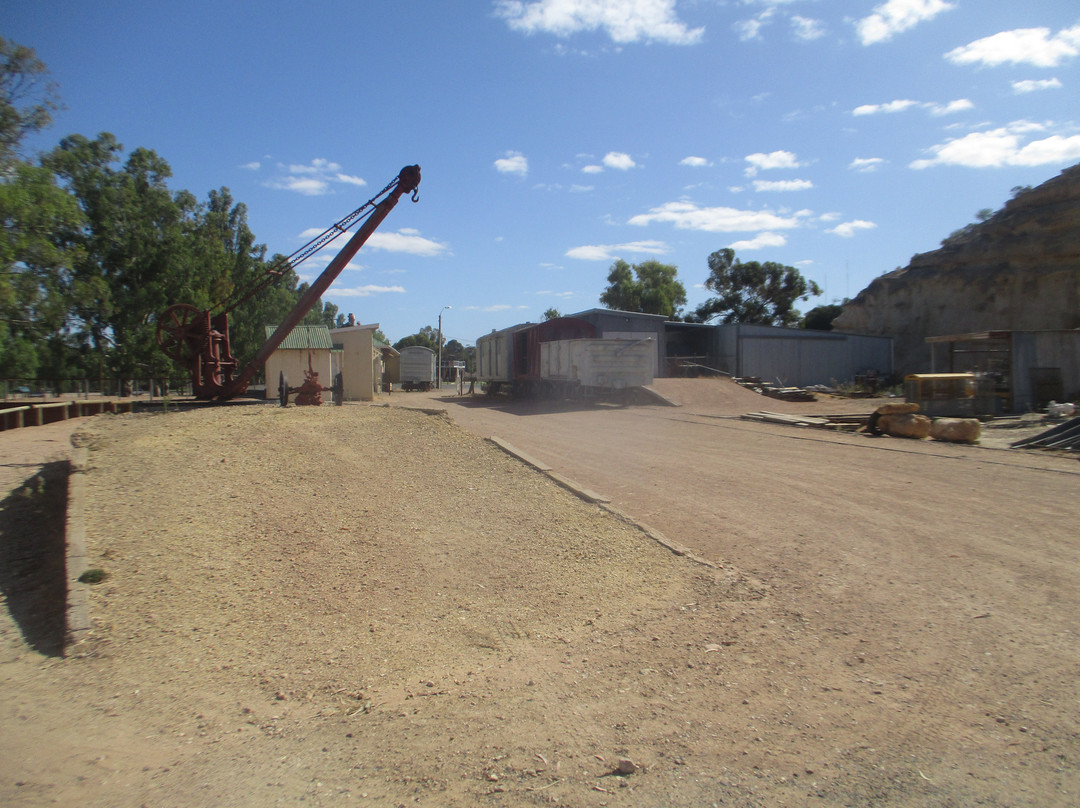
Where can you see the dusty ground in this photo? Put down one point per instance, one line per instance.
(375, 605)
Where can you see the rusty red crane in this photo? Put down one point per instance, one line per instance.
(199, 339)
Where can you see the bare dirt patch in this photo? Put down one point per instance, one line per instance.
(365, 604)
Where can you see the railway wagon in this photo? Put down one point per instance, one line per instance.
(495, 359)
(509, 360)
(417, 368)
(595, 367)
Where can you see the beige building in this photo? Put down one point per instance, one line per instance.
(307, 346)
(365, 360)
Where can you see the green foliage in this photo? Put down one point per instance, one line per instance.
(551, 314)
(763, 294)
(140, 249)
(427, 337)
(820, 318)
(94, 247)
(94, 575)
(649, 287)
(27, 100)
(454, 351)
(985, 214)
(38, 248)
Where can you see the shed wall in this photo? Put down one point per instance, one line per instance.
(798, 357)
(295, 365)
(1044, 349)
(361, 364)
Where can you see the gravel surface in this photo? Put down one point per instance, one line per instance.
(371, 605)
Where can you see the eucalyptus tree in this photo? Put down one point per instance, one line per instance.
(753, 292)
(649, 287)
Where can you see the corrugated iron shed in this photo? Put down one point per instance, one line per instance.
(305, 338)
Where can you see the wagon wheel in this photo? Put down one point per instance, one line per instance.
(283, 389)
(179, 326)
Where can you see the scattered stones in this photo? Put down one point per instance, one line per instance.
(627, 766)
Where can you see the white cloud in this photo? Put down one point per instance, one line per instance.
(688, 216)
(493, 308)
(313, 179)
(896, 16)
(695, 162)
(366, 291)
(759, 242)
(619, 160)
(848, 229)
(553, 293)
(624, 21)
(807, 29)
(513, 163)
(866, 164)
(406, 240)
(1033, 85)
(607, 252)
(581, 189)
(782, 185)
(318, 166)
(1032, 46)
(255, 165)
(902, 105)
(959, 105)
(892, 106)
(751, 29)
(765, 162)
(308, 186)
(592, 169)
(1002, 147)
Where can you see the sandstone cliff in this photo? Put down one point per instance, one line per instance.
(1017, 271)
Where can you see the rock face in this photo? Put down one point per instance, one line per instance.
(1017, 271)
(956, 430)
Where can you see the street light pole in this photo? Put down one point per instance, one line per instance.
(438, 369)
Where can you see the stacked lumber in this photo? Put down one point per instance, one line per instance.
(842, 422)
(775, 391)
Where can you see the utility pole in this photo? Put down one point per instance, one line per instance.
(438, 369)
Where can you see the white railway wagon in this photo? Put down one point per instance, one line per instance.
(593, 367)
(417, 368)
(495, 358)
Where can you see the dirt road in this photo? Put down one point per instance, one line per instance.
(371, 606)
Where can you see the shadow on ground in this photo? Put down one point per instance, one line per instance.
(33, 569)
(540, 406)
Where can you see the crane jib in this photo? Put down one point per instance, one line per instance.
(200, 339)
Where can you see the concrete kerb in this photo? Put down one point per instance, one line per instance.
(601, 501)
(78, 612)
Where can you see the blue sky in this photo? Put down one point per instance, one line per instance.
(556, 136)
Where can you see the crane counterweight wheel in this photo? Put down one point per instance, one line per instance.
(181, 331)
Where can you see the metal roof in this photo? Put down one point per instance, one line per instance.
(304, 338)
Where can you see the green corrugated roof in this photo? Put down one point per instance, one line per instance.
(305, 338)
